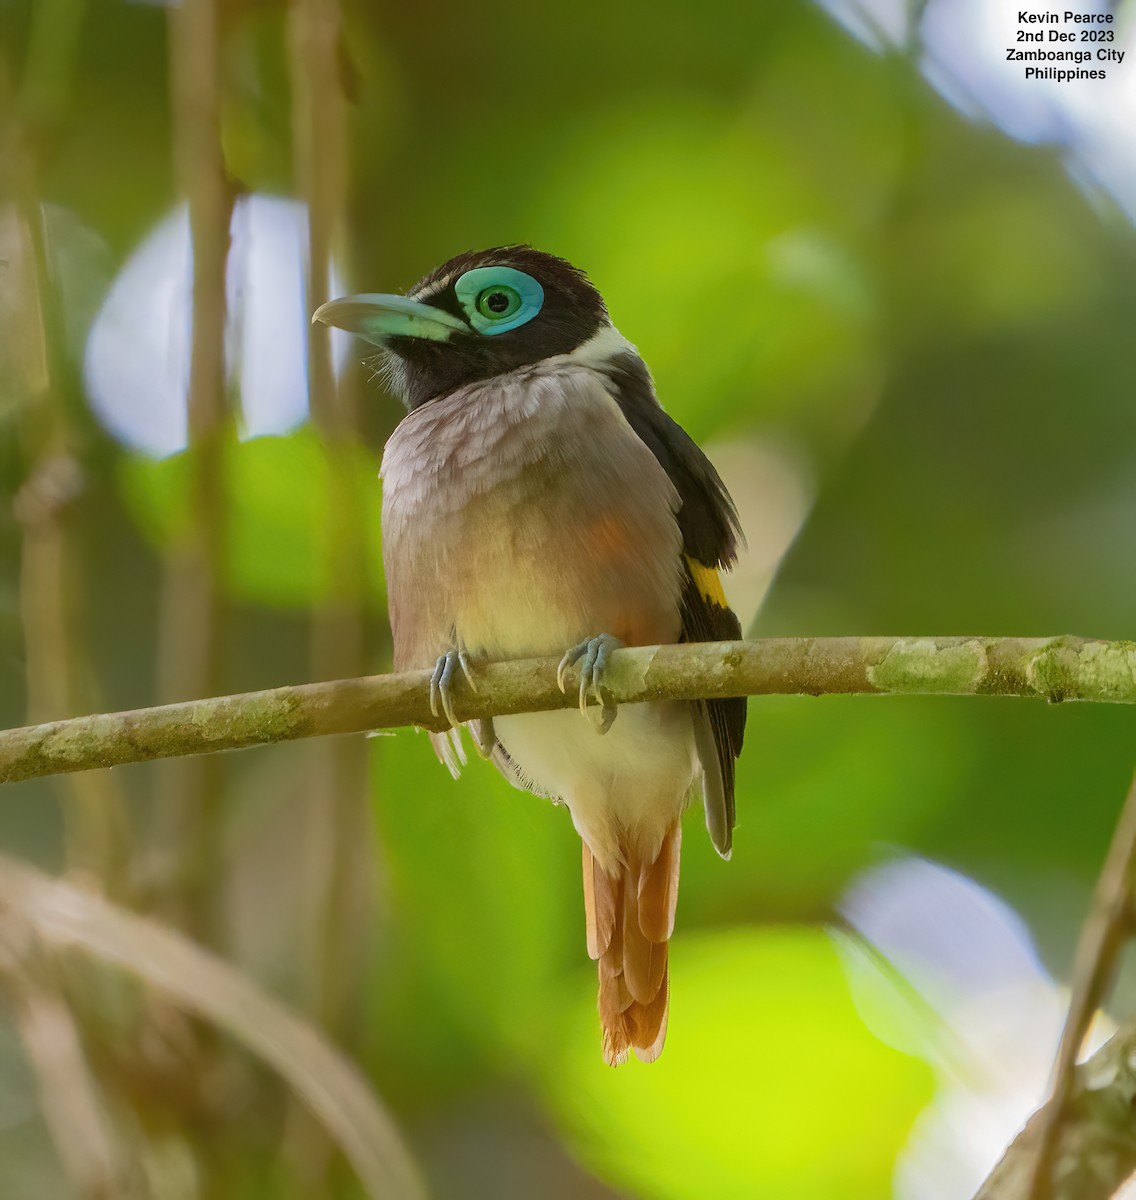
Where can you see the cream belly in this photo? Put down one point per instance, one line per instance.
(623, 788)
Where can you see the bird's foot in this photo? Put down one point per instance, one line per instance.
(594, 651)
(486, 740)
(442, 684)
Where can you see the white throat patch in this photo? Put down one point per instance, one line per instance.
(598, 350)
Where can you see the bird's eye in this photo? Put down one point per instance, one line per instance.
(498, 303)
(497, 299)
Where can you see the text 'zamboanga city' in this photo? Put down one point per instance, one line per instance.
(1090, 33)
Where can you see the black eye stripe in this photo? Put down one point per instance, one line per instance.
(445, 300)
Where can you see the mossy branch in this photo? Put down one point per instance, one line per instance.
(1095, 1150)
(1054, 669)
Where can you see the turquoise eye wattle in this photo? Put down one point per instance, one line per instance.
(498, 298)
(499, 303)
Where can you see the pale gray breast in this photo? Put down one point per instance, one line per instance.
(523, 514)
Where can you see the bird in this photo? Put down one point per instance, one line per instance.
(537, 500)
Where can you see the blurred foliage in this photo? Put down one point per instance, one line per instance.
(277, 529)
(813, 252)
(770, 1034)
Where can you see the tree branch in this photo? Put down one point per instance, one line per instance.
(1095, 1150)
(1098, 952)
(340, 843)
(1054, 669)
(192, 611)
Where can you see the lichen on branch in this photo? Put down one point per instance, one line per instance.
(1054, 669)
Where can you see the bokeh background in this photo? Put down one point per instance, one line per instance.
(886, 282)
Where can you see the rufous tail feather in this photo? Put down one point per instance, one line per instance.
(630, 917)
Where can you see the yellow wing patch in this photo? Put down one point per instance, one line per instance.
(707, 582)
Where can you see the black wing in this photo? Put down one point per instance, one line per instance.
(710, 534)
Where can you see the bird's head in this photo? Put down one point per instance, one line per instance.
(481, 314)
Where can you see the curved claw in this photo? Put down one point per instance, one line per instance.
(594, 651)
(590, 670)
(567, 661)
(441, 687)
(465, 661)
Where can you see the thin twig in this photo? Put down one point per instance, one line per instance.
(1094, 969)
(63, 915)
(69, 1097)
(1097, 1144)
(1054, 669)
(190, 653)
(339, 842)
(57, 675)
(340, 802)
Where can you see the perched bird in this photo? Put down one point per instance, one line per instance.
(537, 500)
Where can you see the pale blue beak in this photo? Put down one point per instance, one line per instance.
(376, 317)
